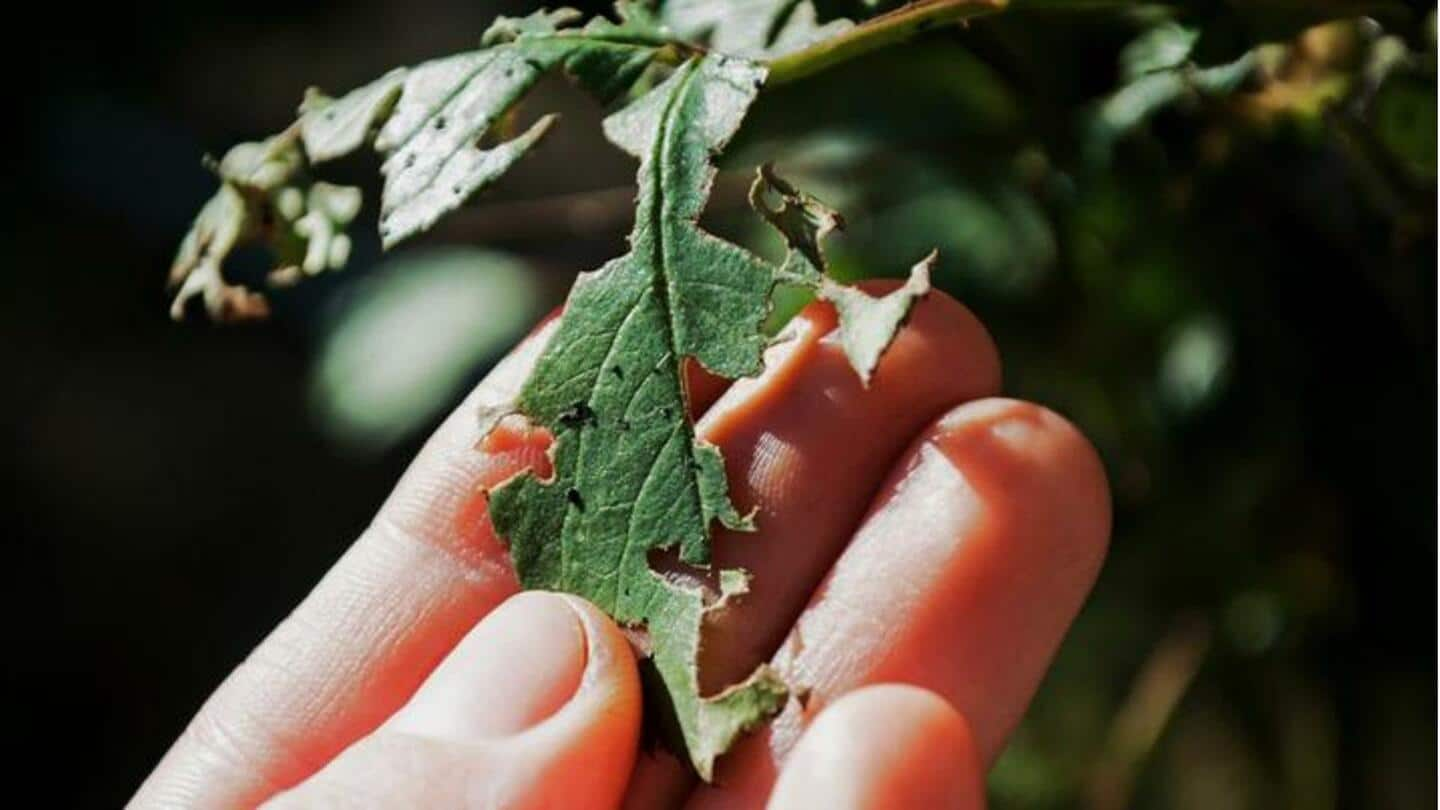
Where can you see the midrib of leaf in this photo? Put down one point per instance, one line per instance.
(581, 455)
(657, 210)
(665, 487)
(659, 214)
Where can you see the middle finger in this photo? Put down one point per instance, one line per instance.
(807, 445)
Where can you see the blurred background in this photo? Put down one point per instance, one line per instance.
(1208, 238)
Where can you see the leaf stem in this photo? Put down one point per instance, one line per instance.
(878, 32)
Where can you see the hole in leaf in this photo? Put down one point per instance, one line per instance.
(578, 415)
(516, 445)
(667, 563)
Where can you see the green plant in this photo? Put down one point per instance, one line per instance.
(630, 476)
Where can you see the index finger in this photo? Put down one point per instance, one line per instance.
(426, 570)
(420, 576)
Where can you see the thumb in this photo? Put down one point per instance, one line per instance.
(884, 747)
(539, 706)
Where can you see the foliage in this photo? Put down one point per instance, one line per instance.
(425, 122)
(630, 476)
(1016, 197)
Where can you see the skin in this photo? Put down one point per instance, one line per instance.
(922, 549)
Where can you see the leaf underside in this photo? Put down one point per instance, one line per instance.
(630, 476)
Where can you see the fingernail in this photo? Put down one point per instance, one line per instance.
(516, 668)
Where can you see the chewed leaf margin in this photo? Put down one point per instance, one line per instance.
(426, 123)
(867, 324)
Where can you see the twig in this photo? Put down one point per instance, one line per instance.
(1162, 682)
(877, 32)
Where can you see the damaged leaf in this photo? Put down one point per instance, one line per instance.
(1159, 70)
(631, 481)
(262, 199)
(752, 28)
(426, 122)
(630, 476)
(867, 324)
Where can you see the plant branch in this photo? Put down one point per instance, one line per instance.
(878, 32)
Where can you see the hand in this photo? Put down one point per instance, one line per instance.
(916, 532)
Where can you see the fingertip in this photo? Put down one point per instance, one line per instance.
(542, 670)
(1006, 445)
(1006, 512)
(611, 679)
(974, 560)
(516, 668)
(537, 707)
(582, 755)
(887, 746)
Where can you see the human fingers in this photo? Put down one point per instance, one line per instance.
(806, 445)
(886, 747)
(537, 707)
(430, 566)
(973, 561)
(418, 578)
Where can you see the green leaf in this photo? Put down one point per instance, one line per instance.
(630, 476)
(867, 324)
(1404, 120)
(427, 122)
(262, 199)
(1166, 45)
(1159, 70)
(333, 128)
(223, 223)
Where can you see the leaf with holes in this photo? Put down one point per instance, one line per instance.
(630, 476)
(426, 122)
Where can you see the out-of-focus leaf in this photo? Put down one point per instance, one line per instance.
(752, 28)
(397, 346)
(1165, 46)
(1195, 366)
(1404, 118)
(926, 90)
(426, 122)
(1254, 621)
(1158, 71)
(994, 236)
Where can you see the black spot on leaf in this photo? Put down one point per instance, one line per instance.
(577, 415)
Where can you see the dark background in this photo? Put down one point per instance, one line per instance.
(1235, 300)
